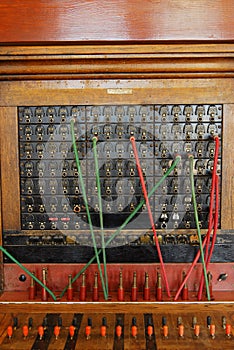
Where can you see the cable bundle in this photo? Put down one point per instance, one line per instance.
(213, 223)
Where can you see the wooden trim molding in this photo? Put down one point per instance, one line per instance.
(118, 62)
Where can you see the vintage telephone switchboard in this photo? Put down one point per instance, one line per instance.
(117, 177)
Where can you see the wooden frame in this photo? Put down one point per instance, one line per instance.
(108, 92)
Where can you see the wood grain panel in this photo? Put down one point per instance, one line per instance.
(118, 66)
(78, 21)
(0, 205)
(124, 307)
(1, 255)
(9, 169)
(232, 205)
(163, 50)
(5, 320)
(227, 215)
(117, 91)
(116, 62)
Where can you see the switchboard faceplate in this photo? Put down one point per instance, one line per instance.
(51, 196)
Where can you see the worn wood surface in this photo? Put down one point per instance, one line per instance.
(1, 255)
(227, 165)
(9, 168)
(176, 49)
(109, 307)
(116, 67)
(78, 21)
(132, 91)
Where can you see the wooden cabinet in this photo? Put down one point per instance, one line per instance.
(116, 53)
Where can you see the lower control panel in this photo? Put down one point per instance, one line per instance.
(179, 328)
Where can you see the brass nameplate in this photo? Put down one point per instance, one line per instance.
(119, 91)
